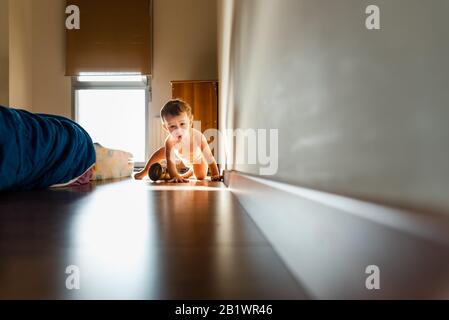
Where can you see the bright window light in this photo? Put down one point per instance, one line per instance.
(109, 73)
(115, 118)
(111, 78)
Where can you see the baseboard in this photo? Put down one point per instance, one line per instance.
(328, 241)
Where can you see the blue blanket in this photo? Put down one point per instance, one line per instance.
(37, 150)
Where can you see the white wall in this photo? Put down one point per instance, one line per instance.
(37, 57)
(20, 54)
(4, 52)
(362, 113)
(51, 88)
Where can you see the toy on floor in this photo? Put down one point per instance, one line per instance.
(159, 171)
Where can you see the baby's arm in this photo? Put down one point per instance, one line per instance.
(215, 174)
(171, 164)
(157, 156)
(143, 173)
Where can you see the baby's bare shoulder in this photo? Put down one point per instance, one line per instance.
(197, 136)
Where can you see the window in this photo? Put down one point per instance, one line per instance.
(113, 108)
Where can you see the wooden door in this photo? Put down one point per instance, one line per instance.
(202, 96)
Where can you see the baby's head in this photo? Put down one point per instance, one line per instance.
(177, 119)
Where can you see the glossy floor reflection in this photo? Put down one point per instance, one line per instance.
(137, 240)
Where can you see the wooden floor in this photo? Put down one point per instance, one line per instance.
(137, 240)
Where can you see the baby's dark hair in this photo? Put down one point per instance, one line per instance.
(175, 107)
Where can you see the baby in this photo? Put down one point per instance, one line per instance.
(184, 146)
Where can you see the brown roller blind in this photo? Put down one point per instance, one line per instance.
(114, 36)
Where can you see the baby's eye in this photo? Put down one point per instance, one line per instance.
(183, 124)
(172, 127)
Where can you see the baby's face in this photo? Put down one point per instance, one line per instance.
(178, 126)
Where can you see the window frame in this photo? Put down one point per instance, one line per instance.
(145, 84)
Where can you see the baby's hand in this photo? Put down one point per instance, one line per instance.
(178, 179)
(215, 178)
